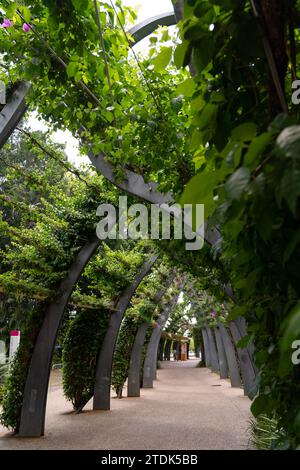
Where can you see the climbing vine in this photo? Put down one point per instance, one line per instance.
(80, 351)
(246, 153)
(227, 137)
(142, 308)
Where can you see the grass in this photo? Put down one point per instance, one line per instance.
(264, 433)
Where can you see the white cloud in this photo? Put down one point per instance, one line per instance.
(147, 8)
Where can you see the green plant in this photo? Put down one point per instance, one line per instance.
(81, 346)
(265, 434)
(232, 128)
(3, 378)
(15, 382)
(122, 353)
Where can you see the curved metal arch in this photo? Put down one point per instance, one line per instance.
(246, 365)
(221, 354)
(214, 362)
(104, 364)
(234, 373)
(134, 184)
(238, 330)
(13, 112)
(151, 355)
(35, 394)
(133, 382)
(145, 28)
(206, 347)
(32, 423)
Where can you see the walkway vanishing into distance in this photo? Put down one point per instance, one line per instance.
(189, 408)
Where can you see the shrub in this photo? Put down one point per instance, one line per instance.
(81, 346)
(122, 355)
(15, 383)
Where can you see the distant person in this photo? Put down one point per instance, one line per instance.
(175, 355)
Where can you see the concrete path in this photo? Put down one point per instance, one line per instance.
(189, 408)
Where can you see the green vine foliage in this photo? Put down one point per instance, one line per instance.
(108, 275)
(142, 308)
(15, 382)
(144, 352)
(80, 351)
(128, 123)
(47, 216)
(223, 127)
(122, 353)
(167, 298)
(246, 154)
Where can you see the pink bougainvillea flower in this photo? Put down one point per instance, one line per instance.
(7, 23)
(26, 27)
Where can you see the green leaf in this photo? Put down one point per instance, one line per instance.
(291, 329)
(25, 13)
(243, 343)
(236, 312)
(163, 59)
(232, 155)
(244, 132)
(217, 97)
(203, 54)
(72, 69)
(291, 332)
(238, 183)
(80, 5)
(196, 140)
(202, 9)
(165, 36)
(194, 30)
(288, 142)
(207, 115)
(182, 55)
(257, 147)
(187, 88)
(289, 189)
(248, 284)
(263, 404)
(200, 190)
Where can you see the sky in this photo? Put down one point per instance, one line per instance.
(145, 9)
(150, 8)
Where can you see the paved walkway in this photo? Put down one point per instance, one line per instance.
(189, 408)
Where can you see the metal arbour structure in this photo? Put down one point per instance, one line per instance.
(152, 350)
(32, 421)
(35, 395)
(133, 384)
